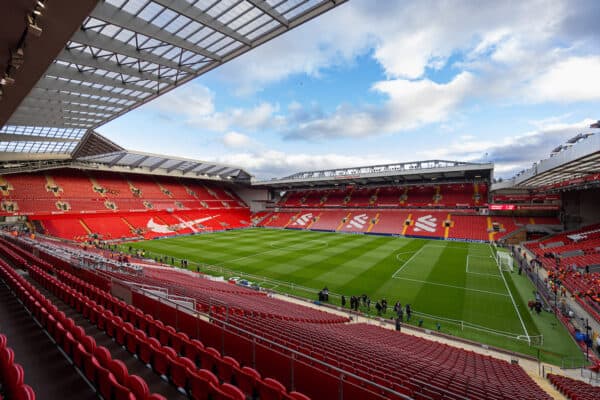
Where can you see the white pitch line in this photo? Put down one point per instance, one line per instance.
(224, 263)
(407, 261)
(479, 273)
(512, 298)
(446, 247)
(451, 286)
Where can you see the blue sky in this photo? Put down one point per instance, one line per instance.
(377, 81)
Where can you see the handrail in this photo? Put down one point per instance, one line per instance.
(295, 354)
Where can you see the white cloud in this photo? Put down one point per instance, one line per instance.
(272, 163)
(405, 38)
(188, 100)
(573, 79)
(511, 153)
(410, 104)
(252, 119)
(194, 105)
(236, 140)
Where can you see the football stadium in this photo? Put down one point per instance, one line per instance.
(130, 274)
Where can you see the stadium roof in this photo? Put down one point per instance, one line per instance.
(74, 66)
(578, 158)
(93, 151)
(162, 165)
(398, 173)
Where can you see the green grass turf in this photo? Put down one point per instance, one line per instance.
(455, 284)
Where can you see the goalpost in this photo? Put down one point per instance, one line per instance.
(504, 261)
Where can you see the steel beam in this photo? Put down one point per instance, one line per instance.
(14, 137)
(103, 42)
(43, 94)
(118, 157)
(139, 161)
(267, 9)
(60, 85)
(53, 106)
(79, 57)
(175, 166)
(72, 73)
(158, 164)
(113, 15)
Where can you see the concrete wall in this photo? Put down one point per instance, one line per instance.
(581, 207)
(255, 198)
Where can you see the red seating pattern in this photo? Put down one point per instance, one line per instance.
(584, 286)
(574, 389)
(410, 365)
(440, 196)
(11, 373)
(391, 221)
(145, 224)
(199, 370)
(430, 222)
(469, 227)
(239, 300)
(109, 376)
(89, 191)
(277, 220)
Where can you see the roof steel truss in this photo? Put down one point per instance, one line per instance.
(128, 52)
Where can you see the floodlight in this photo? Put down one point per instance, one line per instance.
(17, 58)
(32, 27)
(7, 80)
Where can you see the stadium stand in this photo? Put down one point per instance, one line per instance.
(422, 370)
(79, 205)
(111, 377)
(11, 374)
(469, 227)
(433, 223)
(574, 389)
(425, 370)
(574, 257)
(122, 323)
(103, 191)
(209, 296)
(439, 196)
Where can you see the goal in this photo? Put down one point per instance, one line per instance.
(504, 261)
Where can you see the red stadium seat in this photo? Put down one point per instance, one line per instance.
(138, 387)
(270, 389)
(200, 383)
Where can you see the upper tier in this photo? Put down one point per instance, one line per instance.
(438, 196)
(75, 191)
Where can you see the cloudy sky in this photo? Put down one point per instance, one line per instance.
(377, 81)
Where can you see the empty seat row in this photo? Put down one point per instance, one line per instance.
(239, 300)
(198, 370)
(12, 375)
(574, 389)
(110, 377)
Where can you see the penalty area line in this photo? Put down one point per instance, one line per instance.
(452, 286)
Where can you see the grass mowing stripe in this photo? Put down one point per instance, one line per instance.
(407, 261)
(512, 299)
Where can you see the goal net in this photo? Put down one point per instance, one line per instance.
(504, 261)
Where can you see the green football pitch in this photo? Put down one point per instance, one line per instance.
(455, 287)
